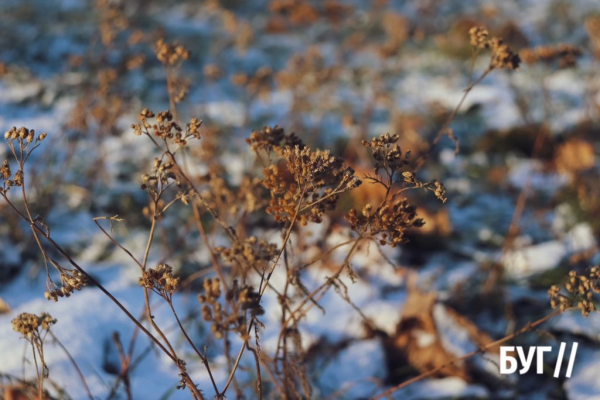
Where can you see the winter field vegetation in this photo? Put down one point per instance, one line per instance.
(298, 199)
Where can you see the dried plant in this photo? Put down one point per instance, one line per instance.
(34, 329)
(256, 226)
(580, 289)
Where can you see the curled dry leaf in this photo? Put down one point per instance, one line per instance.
(418, 339)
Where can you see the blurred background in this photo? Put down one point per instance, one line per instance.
(524, 199)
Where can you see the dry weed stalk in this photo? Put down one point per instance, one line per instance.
(34, 329)
(502, 57)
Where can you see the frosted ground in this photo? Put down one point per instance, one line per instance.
(44, 92)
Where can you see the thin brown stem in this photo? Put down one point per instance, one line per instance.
(77, 369)
(262, 291)
(213, 256)
(119, 245)
(258, 375)
(191, 342)
(40, 375)
(125, 360)
(451, 117)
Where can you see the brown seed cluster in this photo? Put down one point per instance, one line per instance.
(165, 127)
(565, 55)
(5, 170)
(387, 153)
(581, 289)
(71, 280)
(502, 55)
(318, 179)
(155, 182)
(21, 134)
(272, 138)
(225, 200)
(22, 142)
(389, 222)
(389, 157)
(29, 325)
(434, 185)
(171, 53)
(241, 299)
(479, 37)
(247, 253)
(160, 280)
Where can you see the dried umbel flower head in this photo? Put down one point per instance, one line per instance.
(580, 290)
(165, 127)
(272, 138)
(22, 142)
(29, 325)
(23, 137)
(502, 55)
(318, 179)
(241, 299)
(159, 180)
(71, 280)
(434, 185)
(387, 153)
(557, 300)
(249, 253)
(171, 53)
(160, 280)
(388, 157)
(5, 171)
(479, 37)
(388, 223)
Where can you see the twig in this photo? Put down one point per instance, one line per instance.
(77, 369)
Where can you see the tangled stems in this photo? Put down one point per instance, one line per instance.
(263, 284)
(319, 179)
(44, 232)
(34, 329)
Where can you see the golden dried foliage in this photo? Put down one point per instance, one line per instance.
(575, 156)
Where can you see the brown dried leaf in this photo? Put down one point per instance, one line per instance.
(4, 307)
(418, 342)
(574, 156)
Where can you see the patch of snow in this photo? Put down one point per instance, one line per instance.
(451, 387)
(520, 264)
(227, 112)
(524, 172)
(574, 322)
(584, 383)
(362, 365)
(580, 238)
